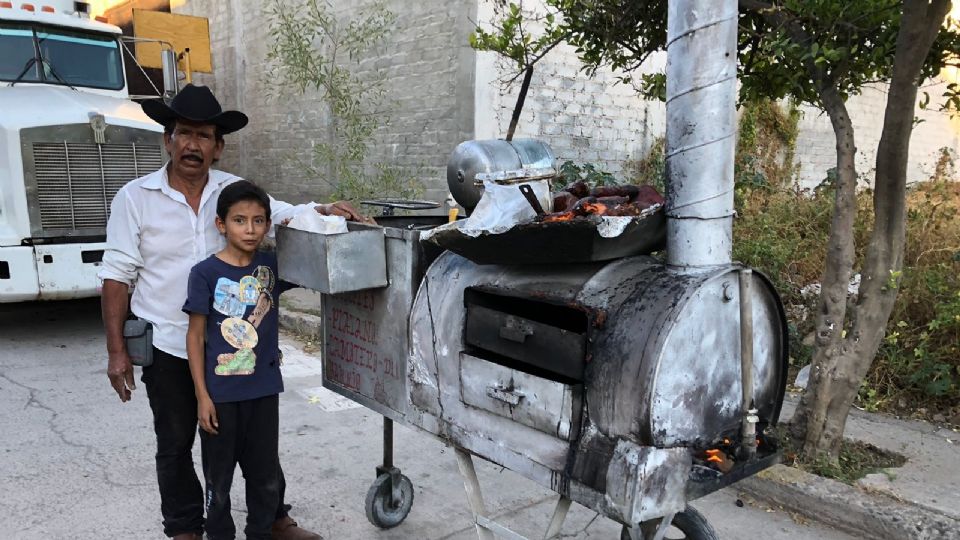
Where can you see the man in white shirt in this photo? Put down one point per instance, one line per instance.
(160, 226)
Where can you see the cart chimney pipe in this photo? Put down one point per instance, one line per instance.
(701, 114)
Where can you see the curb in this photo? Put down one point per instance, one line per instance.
(303, 324)
(847, 508)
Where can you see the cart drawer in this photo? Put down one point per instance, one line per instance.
(333, 263)
(528, 341)
(548, 406)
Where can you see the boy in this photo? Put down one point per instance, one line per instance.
(232, 300)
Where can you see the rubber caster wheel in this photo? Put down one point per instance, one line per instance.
(379, 504)
(689, 524)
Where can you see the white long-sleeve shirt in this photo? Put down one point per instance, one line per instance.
(153, 240)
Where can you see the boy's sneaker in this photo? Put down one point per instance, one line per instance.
(286, 528)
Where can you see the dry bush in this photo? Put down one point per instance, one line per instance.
(783, 233)
(918, 366)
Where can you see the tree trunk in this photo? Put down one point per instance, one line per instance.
(814, 414)
(842, 361)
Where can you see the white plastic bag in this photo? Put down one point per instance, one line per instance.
(311, 221)
(503, 206)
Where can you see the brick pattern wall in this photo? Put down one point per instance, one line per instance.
(426, 61)
(816, 144)
(593, 119)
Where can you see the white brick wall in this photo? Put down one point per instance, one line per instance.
(583, 119)
(816, 145)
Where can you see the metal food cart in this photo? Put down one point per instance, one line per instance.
(625, 383)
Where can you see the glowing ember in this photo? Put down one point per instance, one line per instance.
(595, 208)
(719, 460)
(562, 216)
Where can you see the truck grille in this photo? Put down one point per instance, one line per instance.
(77, 181)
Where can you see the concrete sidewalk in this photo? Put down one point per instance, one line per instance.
(918, 500)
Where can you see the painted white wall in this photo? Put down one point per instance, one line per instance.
(816, 145)
(596, 120)
(583, 119)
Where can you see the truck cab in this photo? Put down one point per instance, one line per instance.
(70, 137)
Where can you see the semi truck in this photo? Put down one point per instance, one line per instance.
(70, 137)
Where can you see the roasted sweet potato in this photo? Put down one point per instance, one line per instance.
(580, 208)
(628, 191)
(648, 196)
(626, 210)
(563, 200)
(613, 201)
(578, 189)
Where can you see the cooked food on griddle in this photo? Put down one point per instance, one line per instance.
(578, 189)
(577, 200)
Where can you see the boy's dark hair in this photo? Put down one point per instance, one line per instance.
(244, 190)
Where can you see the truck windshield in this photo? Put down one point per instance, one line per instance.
(59, 56)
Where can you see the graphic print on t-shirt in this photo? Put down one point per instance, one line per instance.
(264, 303)
(249, 290)
(232, 298)
(265, 276)
(239, 333)
(226, 298)
(242, 362)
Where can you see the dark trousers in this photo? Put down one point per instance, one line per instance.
(174, 404)
(247, 435)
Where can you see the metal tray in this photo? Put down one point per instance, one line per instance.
(575, 241)
(333, 263)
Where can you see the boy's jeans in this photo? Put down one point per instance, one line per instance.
(174, 404)
(248, 432)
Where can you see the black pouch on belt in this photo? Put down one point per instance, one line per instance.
(138, 335)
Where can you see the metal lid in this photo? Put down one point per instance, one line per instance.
(471, 158)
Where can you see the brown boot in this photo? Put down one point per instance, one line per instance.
(188, 536)
(286, 528)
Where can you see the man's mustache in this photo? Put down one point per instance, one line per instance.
(192, 157)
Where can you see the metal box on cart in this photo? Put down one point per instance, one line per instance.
(365, 317)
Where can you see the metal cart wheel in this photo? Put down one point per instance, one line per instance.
(387, 504)
(689, 524)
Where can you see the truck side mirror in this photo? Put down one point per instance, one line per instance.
(171, 85)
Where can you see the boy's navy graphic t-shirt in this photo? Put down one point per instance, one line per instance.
(242, 356)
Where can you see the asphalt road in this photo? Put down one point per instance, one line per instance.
(75, 463)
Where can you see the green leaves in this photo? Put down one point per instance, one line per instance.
(511, 36)
(311, 50)
(570, 172)
(951, 101)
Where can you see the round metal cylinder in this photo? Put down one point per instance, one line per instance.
(662, 367)
(701, 123)
(669, 363)
(471, 158)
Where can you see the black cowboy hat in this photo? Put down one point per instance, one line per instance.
(197, 104)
